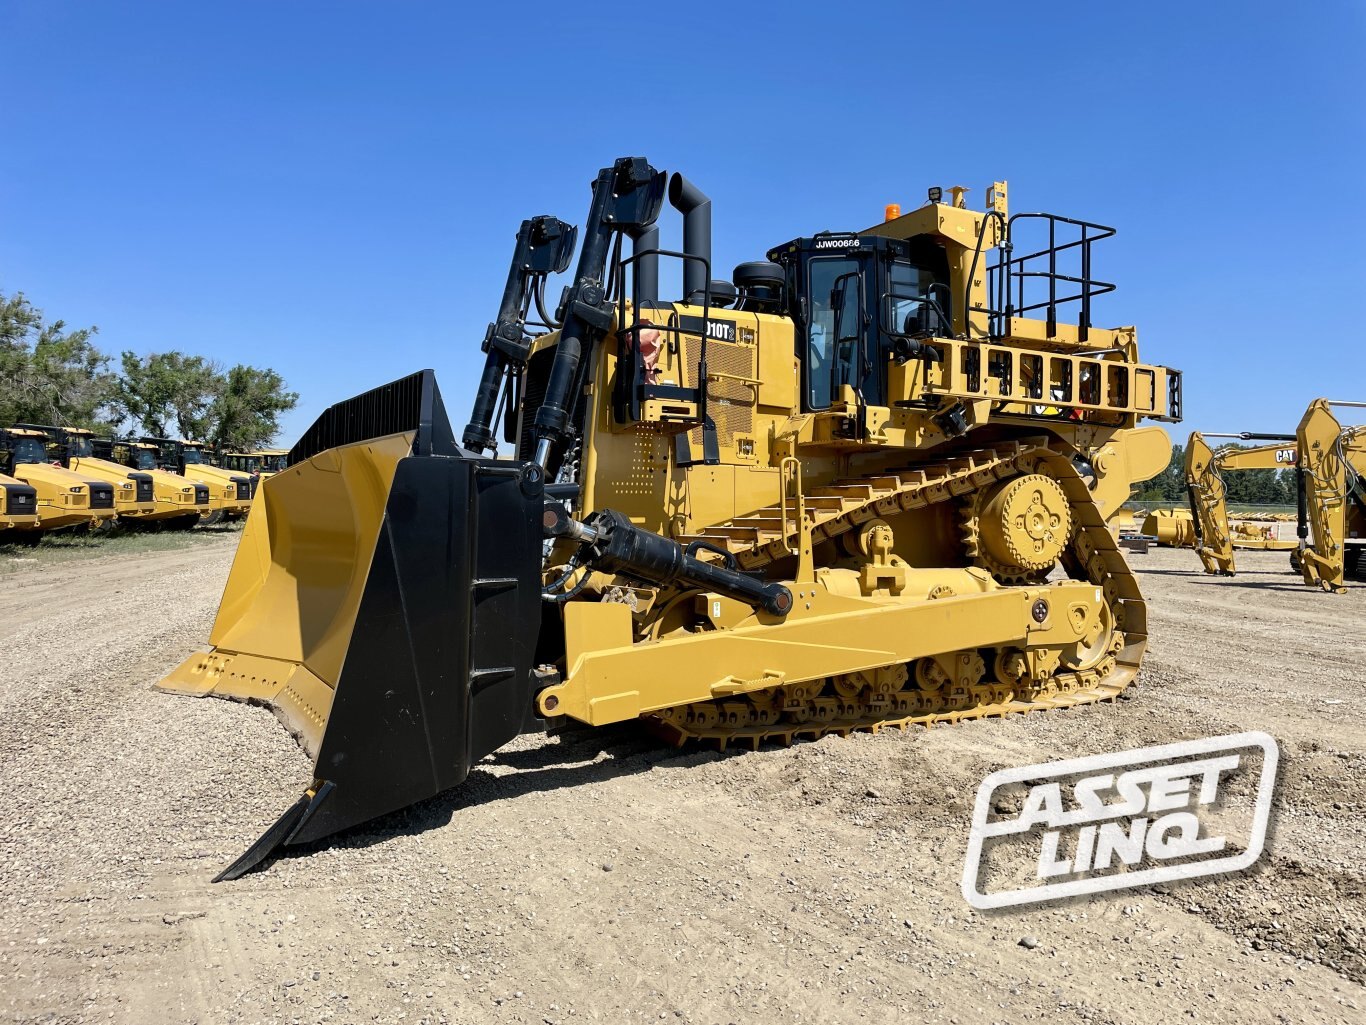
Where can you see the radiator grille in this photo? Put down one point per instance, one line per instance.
(730, 403)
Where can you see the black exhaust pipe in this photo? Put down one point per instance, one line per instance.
(695, 206)
(646, 268)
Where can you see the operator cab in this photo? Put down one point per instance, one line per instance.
(858, 301)
(138, 455)
(23, 446)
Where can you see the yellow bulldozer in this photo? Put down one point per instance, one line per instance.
(65, 500)
(867, 483)
(1329, 463)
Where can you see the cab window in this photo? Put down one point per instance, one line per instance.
(917, 301)
(30, 450)
(829, 364)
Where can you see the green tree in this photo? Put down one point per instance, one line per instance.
(169, 389)
(246, 413)
(50, 375)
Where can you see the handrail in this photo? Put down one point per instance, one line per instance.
(790, 476)
(709, 453)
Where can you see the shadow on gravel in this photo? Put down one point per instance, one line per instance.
(1241, 580)
(575, 759)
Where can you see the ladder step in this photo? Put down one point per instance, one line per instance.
(774, 522)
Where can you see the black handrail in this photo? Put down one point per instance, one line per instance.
(710, 451)
(1006, 278)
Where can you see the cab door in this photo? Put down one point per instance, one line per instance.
(839, 355)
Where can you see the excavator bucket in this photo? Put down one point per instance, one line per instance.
(384, 602)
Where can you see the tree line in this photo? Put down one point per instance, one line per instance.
(1243, 487)
(52, 375)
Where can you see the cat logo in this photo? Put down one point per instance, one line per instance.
(1286, 455)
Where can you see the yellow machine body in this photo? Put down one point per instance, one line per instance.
(18, 508)
(270, 460)
(721, 545)
(72, 448)
(178, 501)
(230, 492)
(1333, 472)
(1207, 525)
(65, 499)
(229, 483)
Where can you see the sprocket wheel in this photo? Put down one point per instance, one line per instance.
(1017, 529)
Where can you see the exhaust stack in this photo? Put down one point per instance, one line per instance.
(695, 206)
(646, 267)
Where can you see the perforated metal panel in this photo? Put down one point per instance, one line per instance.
(730, 403)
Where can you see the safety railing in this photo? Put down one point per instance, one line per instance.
(1009, 276)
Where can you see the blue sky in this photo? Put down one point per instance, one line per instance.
(332, 189)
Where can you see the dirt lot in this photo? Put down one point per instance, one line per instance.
(622, 882)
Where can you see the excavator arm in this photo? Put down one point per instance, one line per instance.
(1332, 494)
(1215, 539)
(1209, 510)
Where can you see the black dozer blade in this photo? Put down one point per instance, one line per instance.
(437, 670)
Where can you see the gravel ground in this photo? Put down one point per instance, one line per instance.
(606, 879)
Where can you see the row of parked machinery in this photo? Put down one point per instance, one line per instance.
(66, 479)
(1329, 462)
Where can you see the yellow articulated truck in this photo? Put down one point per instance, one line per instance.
(229, 492)
(73, 448)
(273, 460)
(18, 512)
(865, 484)
(181, 504)
(65, 500)
(261, 464)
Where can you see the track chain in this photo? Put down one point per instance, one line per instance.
(893, 698)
